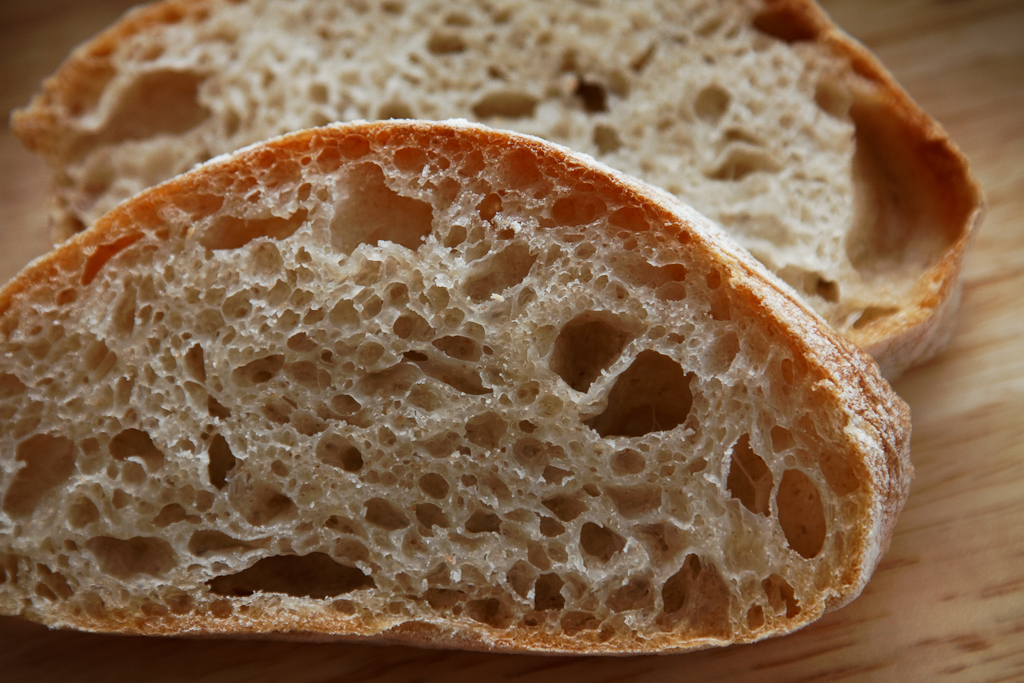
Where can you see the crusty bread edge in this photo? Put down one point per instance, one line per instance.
(879, 421)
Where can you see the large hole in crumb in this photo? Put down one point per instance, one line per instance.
(486, 430)
(600, 542)
(547, 592)
(500, 271)
(124, 559)
(566, 508)
(258, 371)
(304, 576)
(711, 103)
(445, 43)
(781, 596)
(742, 160)
(789, 24)
(48, 462)
(135, 443)
(483, 522)
(801, 514)
(592, 95)
(102, 253)
(157, 102)
(505, 104)
(380, 512)
(588, 344)
(750, 480)
(636, 594)
(634, 501)
(210, 541)
(257, 501)
(220, 461)
(229, 232)
(652, 395)
(371, 212)
(699, 594)
(459, 347)
(336, 451)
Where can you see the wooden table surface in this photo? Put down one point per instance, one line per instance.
(947, 603)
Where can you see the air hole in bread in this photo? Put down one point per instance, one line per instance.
(157, 102)
(635, 501)
(383, 514)
(135, 443)
(503, 270)
(578, 210)
(547, 592)
(834, 98)
(259, 371)
(231, 232)
(698, 596)
(102, 253)
(574, 622)
(258, 502)
(54, 583)
(47, 462)
(213, 542)
(711, 103)
(486, 430)
(172, 513)
(491, 612)
(787, 23)
(636, 594)
(628, 461)
(593, 96)
(445, 43)
(126, 558)
(565, 507)
(336, 451)
(505, 104)
(652, 395)
(82, 512)
(801, 514)
(489, 207)
(873, 314)
(371, 212)
(781, 596)
(750, 481)
(194, 363)
(600, 542)
(458, 347)
(430, 515)
(741, 161)
(606, 139)
(587, 345)
(314, 575)
(10, 386)
(483, 522)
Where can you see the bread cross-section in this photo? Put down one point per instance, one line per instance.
(433, 383)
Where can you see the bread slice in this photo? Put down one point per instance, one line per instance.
(439, 384)
(761, 115)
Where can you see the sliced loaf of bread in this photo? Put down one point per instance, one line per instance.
(761, 115)
(438, 384)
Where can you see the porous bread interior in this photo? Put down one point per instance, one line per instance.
(754, 125)
(363, 384)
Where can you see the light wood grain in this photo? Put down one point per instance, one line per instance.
(947, 602)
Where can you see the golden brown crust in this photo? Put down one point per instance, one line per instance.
(878, 425)
(925, 325)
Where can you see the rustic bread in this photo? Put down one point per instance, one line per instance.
(434, 383)
(762, 116)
